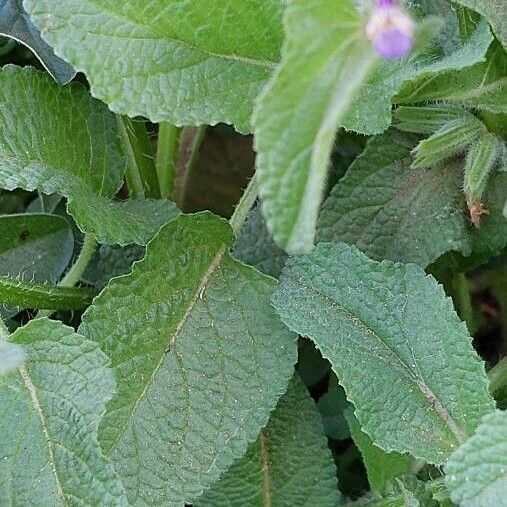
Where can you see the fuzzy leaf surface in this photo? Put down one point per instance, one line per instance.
(477, 471)
(60, 140)
(393, 339)
(371, 111)
(290, 464)
(200, 358)
(185, 62)
(50, 407)
(325, 59)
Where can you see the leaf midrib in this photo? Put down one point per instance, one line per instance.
(433, 401)
(265, 63)
(32, 391)
(266, 472)
(215, 262)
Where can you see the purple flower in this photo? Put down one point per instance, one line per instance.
(391, 30)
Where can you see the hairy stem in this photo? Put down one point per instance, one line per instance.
(245, 205)
(19, 293)
(167, 153)
(180, 192)
(132, 175)
(463, 301)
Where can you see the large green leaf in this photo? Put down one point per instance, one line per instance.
(200, 358)
(325, 59)
(16, 24)
(403, 356)
(371, 112)
(477, 471)
(35, 247)
(60, 140)
(50, 408)
(494, 12)
(188, 63)
(391, 211)
(290, 464)
(382, 467)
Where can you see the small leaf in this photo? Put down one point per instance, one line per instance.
(52, 404)
(424, 119)
(140, 54)
(391, 211)
(480, 159)
(481, 86)
(382, 467)
(200, 358)
(477, 471)
(371, 112)
(494, 12)
(60, 140)
(394, 341)
(290, 464)
(450, 139)
(296, 120)
(16, 24)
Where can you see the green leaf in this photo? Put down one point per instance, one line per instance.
(35, 247)
(60, 140)
(494, 12)
(290, 464)
(10, 357)
(139, 55)
(296, 119)
(382, 467)
(477, 471)
(391, 211)
(371, 112)
(255, 246)
(394, 341)
(50, 409)
(449, 140)
(481, 86)
(16, 24)
(424, 119)
(200, 358)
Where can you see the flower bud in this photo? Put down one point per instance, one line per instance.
(391, 30)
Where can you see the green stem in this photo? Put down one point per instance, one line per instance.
(75, 273)
(463, 301)
(167, 153)
(245, 205)
(132, 175)
(498, 375)
(181, 192)
(19, 293)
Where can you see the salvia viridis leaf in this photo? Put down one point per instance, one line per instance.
(16, 24)
(11, 356)
(296, 121)
(60, 140)
(424, 119)
(477, 471)
(200, 358)
(395, 342)
(289, 465)
(140, 54)
(51, 405)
